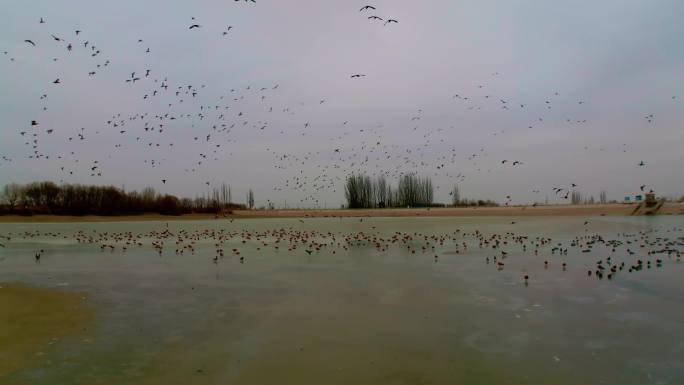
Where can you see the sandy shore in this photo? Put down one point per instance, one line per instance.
(32, 319)
(515, 211)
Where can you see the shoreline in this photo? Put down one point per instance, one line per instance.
(504, 211)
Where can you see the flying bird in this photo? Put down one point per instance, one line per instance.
(30, 42)
(375, 18)
(357, 76)
(366, 7)
(194, 26)
(391, 21)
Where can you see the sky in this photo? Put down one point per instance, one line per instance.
(579, 92)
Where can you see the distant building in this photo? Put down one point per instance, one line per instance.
(649, 198)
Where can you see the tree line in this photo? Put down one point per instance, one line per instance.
(458, 201)
(75, 199)
(362, 191)
(577, 198)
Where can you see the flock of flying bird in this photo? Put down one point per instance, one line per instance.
(210, 124)
(374, 17)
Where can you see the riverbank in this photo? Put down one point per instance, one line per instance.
(513, 211)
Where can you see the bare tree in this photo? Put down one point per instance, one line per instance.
(455, 196)
(576, 198)
(11, 194)
(224, 195)
(250, 199)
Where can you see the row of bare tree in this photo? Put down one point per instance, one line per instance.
(74, 199)
(458, 201)
(361, 191)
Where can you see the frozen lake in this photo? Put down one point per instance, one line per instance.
(371, 301)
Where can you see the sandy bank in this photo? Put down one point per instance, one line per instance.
(550, 210)
(32, 320)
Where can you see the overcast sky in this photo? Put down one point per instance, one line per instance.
(451, 90)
